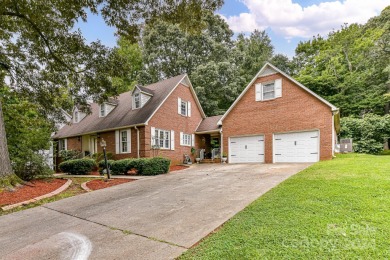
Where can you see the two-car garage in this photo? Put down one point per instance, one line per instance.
(287, 147)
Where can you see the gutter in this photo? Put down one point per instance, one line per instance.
(100, 131)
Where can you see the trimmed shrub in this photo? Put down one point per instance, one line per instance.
(120, 166)
(102, 165)
(100, 156)
(155, 166)
(78, 166)
(67, 155)
(144, 166)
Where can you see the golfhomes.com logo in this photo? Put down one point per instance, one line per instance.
(337, 237)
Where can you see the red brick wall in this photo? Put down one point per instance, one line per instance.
(296, 110)
(109, 137)
(167, 118)
(74, 143)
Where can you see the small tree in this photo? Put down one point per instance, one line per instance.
(368, 133)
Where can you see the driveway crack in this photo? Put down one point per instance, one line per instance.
(124, 231)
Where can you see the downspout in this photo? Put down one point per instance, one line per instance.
(138, 146)
(220, 132)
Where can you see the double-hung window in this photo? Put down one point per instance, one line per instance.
(269, 91)
(186, 139)
(137, 100)
(62, 144)
(184, 106)
(76, 117)
(102, 110)
(124, 141)
(162, 138)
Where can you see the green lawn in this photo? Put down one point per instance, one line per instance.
(338, 209)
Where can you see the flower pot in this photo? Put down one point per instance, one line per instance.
(197, 160)
(224, 159)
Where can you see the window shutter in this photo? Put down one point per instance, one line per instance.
(181, 138)
(193, 140)
(117, 142)
(152, 137)
(133, 101)
(66, 144)
(189, 109)
(258, 92)
(278, 88)
(172, 140)
(179, 106)
(129, 140)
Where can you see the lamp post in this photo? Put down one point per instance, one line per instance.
(104, 144)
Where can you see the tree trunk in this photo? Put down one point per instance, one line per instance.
(5, 162)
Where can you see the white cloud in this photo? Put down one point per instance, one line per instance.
(292, 20)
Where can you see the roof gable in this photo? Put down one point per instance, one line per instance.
(269, 69)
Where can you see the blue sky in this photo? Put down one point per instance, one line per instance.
(287, 22)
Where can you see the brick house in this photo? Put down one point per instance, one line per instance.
(155, 120)
(275, 119)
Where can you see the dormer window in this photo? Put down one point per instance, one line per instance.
(140, 96)
(102, 110)
(137, 100)
(76, 117)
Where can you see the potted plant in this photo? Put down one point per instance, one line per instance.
(193, 152)
(224, 157)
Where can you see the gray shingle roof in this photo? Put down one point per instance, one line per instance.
(123, 115)
(209, 124)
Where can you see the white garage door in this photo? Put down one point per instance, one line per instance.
(246, 149)
(296, 147)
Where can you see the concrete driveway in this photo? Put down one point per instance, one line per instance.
(152, 218)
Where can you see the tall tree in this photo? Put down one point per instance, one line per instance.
(348, 68)
(41, 54)
(252, 52)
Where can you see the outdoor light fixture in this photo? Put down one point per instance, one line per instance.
(104, 145)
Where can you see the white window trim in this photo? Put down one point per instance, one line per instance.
(259, 90)
(100, 110)
(154, 139)
(76, 120)
(139, 100)
(185, 139)
(65, 145)
(119, 143)
(187, 109)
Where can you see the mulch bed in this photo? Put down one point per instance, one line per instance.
(101, 184)
(30, 190)
(177, 168)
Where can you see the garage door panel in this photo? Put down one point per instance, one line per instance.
(296, 147)
(247, 149)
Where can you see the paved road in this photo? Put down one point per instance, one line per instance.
(153, 218)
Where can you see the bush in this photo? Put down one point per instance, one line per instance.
(120, 166)
(155, 166)
(67, 155)
(102, 165)
(32, 166)
(100, 156)
(368, 133)
(144, 166)
(78, 166)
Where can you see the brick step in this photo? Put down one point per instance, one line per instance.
(216, 160)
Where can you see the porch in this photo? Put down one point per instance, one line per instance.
(208, 139)
(209, 148)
